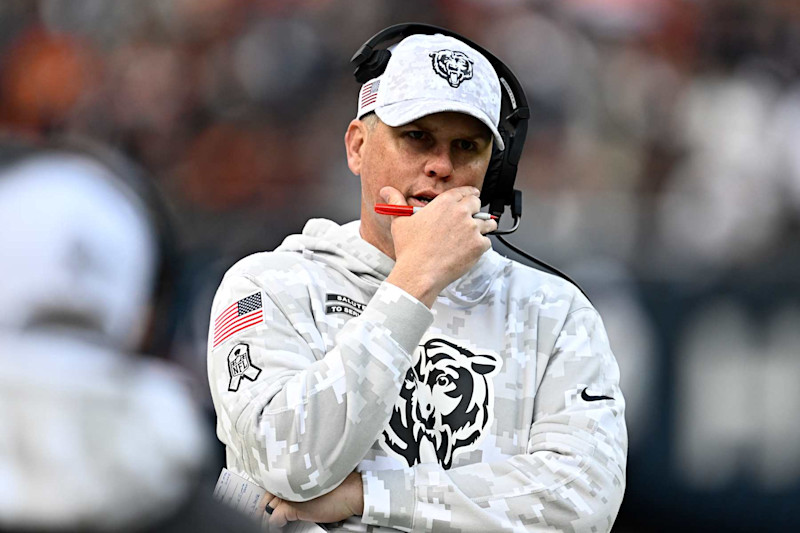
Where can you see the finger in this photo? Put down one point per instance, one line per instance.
(265, 499)
(460, 193)
(271, 505)
(473, 203)
(487, 226)
(284, 513)
(277, 510)
(457, 194)
(487, 243)
(392, 196)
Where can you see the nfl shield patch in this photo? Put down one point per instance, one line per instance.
(240, 366)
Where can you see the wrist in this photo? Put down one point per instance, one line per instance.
(418, 285)
(356, 494)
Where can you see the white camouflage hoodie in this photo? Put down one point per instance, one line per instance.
(497, 410)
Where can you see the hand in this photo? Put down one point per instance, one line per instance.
(341, 503)
(438, 244)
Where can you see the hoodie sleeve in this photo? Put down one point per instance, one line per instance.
(296, 419)
(572, 477)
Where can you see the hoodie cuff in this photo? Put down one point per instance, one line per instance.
(389, 498)
(406, 318)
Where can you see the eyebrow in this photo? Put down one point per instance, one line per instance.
(482, 133)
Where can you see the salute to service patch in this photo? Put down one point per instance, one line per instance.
(336, 303)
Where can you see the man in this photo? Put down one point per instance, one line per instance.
(395, 372)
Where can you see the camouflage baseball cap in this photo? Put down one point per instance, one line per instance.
(431, 74)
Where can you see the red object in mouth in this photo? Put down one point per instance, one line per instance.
(396, 210)
(408, 210)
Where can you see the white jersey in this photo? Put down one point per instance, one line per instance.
(499, 409)
(92, 439)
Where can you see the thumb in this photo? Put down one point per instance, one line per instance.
(392, 196)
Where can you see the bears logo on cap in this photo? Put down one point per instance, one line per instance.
(454, 66)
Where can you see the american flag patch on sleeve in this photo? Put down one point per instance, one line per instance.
(238, 316)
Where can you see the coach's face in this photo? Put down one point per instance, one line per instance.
(421, 160)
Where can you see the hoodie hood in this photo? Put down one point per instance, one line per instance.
(342, 248)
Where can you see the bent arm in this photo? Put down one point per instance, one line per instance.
(571, 478)
(303, 424)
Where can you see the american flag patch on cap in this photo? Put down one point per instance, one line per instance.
(238, 316)
(368, 94)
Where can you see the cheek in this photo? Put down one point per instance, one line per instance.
(371, 174)
(475, 171)
(384, 167)
(372, 160)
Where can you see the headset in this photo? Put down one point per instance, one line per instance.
(498, 190)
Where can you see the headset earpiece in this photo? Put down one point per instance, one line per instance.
(492, 175)
(372, 66)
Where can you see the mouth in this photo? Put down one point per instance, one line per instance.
(421, 200)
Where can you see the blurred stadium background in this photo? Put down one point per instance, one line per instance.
(662, 171)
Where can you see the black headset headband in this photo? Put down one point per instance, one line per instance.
(498, 185)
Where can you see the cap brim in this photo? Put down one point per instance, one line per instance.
(402, 113)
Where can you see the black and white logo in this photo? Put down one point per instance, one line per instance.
(454, 66)
(240, 366)
(447, 401)
(337, 303)
(589, 398)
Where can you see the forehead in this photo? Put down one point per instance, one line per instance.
(453, 123)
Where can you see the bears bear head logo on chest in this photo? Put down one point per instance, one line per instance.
(447, 399)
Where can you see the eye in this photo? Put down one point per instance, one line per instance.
(443, 381)
(465, 145)
(415, 135)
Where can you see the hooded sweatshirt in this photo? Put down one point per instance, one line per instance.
(499, 409)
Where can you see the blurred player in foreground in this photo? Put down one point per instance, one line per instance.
(93, 436)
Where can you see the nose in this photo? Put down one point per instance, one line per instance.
(439, 164)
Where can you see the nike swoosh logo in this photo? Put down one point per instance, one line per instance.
(590, 398)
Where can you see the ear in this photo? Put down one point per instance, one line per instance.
(484, 364)
(354, 139)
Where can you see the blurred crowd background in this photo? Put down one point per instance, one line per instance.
(662, 171)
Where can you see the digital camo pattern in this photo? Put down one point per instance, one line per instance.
(329, 384)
